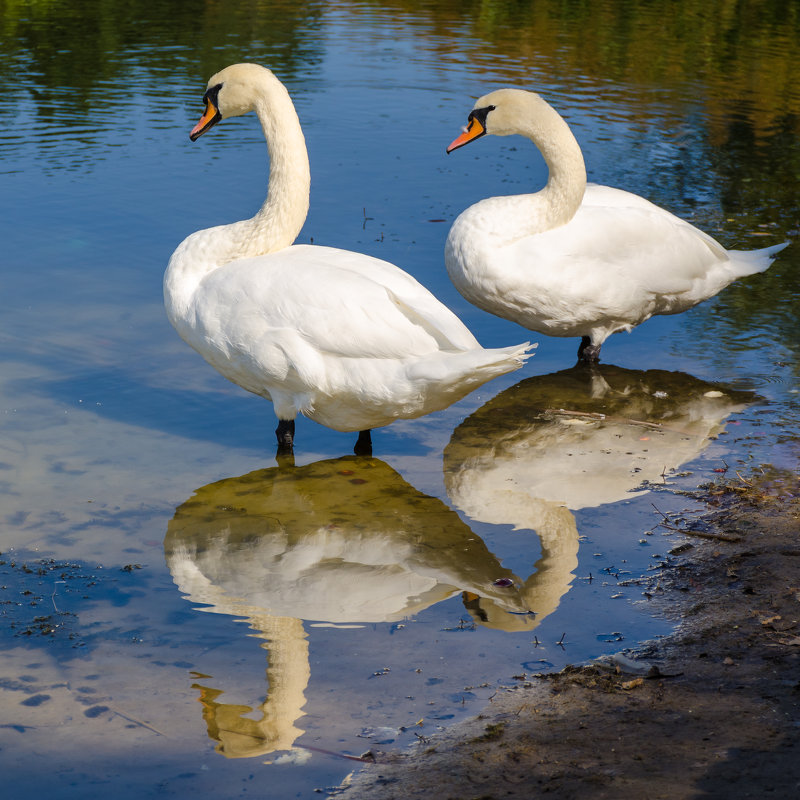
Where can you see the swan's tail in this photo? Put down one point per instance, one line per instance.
(457, 374)
(376, 392)
(749, 262)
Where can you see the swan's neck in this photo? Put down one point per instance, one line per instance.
(280, 218)
(555, 204)
(278, 221)
(566, 183)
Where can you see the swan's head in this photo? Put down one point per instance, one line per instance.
(499, 113)
(231, 93)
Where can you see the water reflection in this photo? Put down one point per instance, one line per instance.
(236, 734)
(579, 438)
(75, 67)
(694, 105)
(341, 541)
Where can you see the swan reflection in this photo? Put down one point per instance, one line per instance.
(341, 541)
(576, 439)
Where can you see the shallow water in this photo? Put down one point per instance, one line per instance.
(195, 616)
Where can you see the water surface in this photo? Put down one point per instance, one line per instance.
(201, 617)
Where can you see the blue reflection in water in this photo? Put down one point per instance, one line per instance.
(110, 423)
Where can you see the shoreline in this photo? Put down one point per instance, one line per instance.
(710, 711)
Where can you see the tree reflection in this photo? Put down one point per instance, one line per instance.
(78, 67)
(84, 45)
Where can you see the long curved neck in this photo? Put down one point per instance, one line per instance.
(278, 221)
(280, 218)
(556, 204)
(566, 182)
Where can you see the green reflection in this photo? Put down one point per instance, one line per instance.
(344, 541)
(730, 50)
(578, 439)
(82, 76)
(82, 44)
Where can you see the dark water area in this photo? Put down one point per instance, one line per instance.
(180, 612)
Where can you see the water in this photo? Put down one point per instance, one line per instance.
(185, 598)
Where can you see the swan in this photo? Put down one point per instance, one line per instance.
(578, 259)
(345, 339)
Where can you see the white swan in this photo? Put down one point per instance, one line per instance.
(578, 259)
(348, 340)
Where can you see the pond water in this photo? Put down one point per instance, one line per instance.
(181, 613)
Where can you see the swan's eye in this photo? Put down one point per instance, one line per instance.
(480, 114)
(476, 127)
(211, 95)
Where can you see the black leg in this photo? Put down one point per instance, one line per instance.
(587, 352)
(285, 434)
(363, 444)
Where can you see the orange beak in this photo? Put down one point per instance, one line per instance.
(211, 117)
(473, 130)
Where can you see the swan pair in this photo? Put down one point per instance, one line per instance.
(355, 343)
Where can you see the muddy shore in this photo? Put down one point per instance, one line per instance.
(712, 711)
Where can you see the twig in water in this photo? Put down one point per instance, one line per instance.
(53, 596)
(368, 757)
(138, 722)
(721, 537)
(660, 512)
(743, 480)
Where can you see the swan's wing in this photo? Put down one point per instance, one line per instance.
(618, 241)
(665, 245)
(315, 298)
(417, 303)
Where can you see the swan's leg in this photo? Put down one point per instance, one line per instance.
(285, 434)
(587, 351)
(363, 444)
